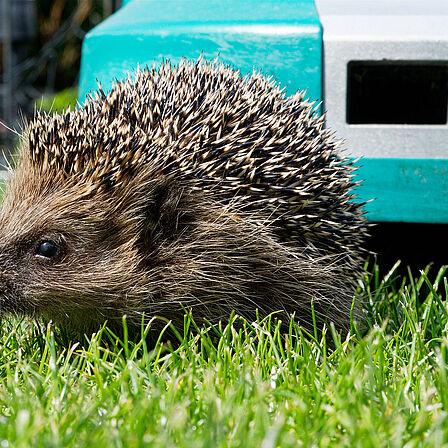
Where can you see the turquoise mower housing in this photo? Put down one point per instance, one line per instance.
(380, 69)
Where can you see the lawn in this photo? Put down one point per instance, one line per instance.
(240, 385)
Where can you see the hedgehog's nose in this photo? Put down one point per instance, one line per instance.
(9, 301)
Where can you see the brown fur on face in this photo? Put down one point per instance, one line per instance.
(187, 188)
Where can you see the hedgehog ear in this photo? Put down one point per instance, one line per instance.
(159, 206)
(160, 214)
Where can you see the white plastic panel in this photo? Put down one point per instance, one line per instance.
(395, 32)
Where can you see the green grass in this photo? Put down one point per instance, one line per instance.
(240, 385)
(59, 101)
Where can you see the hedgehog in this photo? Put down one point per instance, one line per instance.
(187, 187)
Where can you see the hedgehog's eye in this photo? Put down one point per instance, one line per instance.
(47, 249)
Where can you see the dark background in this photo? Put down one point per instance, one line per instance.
(416, 245)
(45, 52)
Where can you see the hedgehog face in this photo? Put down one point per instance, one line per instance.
(58, 252)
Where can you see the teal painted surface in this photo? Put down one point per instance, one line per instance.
(282, 38)
(408, 190)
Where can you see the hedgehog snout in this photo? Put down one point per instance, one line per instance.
(9, 299)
